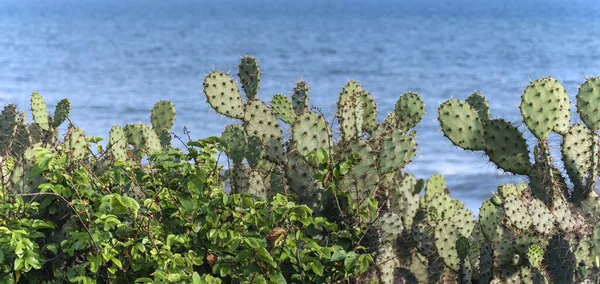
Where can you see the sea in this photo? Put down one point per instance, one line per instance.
(115, 59)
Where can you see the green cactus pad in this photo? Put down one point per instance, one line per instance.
(134, 133)
(489, 221)
(562, 213)
(504, 250)
(22, 139)
(61, 112)
(462, 247)
(249, 74)
(35, 133)
(516, 212)
(369, 111)
(39, 111)
(446, 236)
(433, 216)
(435, 185)
(576, 153)
(151, 141)
(508, 189)
(239, 178)
(480, 104)
(409, 110)
(311, 133)
(162, 116)
(255, 151)
(256, 184)
(282, 108)
(542, 106)
(397, 150)
(424, 242)
(391, 227)
(506, 147)
(223, 95)
(486, 262)
(76, 143)
(460, 122)
(587, 103)
(535, 255)
(300, 97)
(406, 202)
(361, 180)
(346, 110)
(259, 121)
(299, 174)
(541, 217)
(117, 143)
(235, 141)
(462, 217)
(8, 126)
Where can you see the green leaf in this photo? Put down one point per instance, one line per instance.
(338, 255)
(317, 267)
(350, 261)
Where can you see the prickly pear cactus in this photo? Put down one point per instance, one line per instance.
(462, 125)
(39, 111)
(249, 73)
(282, 108)
(223, 95)
(61, 112)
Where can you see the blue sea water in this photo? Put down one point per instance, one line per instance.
(114, 59)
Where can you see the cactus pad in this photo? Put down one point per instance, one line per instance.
(369, 111)
(310, 133)
(535, 255)
(361, 180)
(461, 124)
(8, 126)
(541, 106)
(409, 110)
(406, 202)
(76, 143)
(223, 95)
(282, 108)
(587, 103)
(300, 97)
(346, 107)
(235, 141)
(489, 221)
(435, 185)
(480, 104)
(117, 143)
(39, 111)
(255, 151)
(576, 153)
(462, 248)
(516, 212)
(397, 150)
(256, 184)
(446, 235)
(249, 73)
(541, 217)
(259, 121)
(61, 112)
(506, 147)
(391, 227)
(162, 116)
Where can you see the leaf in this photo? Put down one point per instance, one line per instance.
(350, 261)
(317, 267)
(338, 255)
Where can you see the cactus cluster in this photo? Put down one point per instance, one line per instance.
(524, 232)
(540, 232)
(261, 154)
